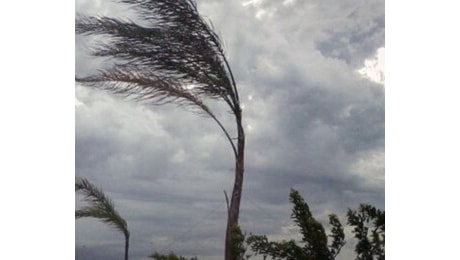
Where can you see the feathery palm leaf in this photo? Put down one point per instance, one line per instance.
(101, 207)
(177, 59)
(178, 49)
(173, 57)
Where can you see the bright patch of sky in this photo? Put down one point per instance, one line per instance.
(261, 12)
(78, 103)
(190, 86)
(374, 67)
(287, 2)
(252, 2)
(371, 162)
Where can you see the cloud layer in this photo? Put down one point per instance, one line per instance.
(312, 123)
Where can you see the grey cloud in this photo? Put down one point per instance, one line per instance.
(313, 121)
(357, 39)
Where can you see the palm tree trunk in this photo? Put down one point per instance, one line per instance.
(126, 245)
(234, 210)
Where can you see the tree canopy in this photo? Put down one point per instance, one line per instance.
(316, 245)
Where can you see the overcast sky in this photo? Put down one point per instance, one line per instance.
(311, 80)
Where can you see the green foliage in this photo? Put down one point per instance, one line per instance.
(368, 227)
(368, 217)
(238, 246)
(338, 236)
(170, 256)
(101, 207)
(313, 234)
(314, 237)
(277, 250)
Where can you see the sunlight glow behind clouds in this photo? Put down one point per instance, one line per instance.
(252, 2)
(288, 2)
(371, 167)
(260, 12)
(78, 103)
(374, 68)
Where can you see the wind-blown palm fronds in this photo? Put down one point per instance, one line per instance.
(177, 59)
(174, 57)
(101, 207)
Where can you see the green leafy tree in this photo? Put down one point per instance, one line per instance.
(239, 244)
(170, 256)
(101, 207)
(314, 239)
(371, 245)
(175, 57)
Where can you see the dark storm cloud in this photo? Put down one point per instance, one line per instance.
(356, 41)
(99, 252)
(312, 123)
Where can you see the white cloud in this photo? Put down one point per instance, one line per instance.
(78, 103)
(374, 67)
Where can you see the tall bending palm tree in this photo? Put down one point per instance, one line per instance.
(175, 57)
(101, 207)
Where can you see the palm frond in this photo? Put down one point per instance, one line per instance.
(178, 47)
(101, 207)
(173, 57)
(145, 86)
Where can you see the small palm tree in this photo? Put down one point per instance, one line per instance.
(175, 57)
(101, 207)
